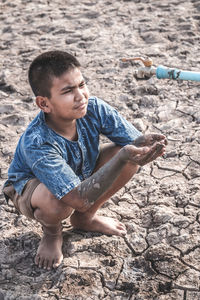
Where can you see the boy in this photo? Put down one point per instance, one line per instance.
(58, 170)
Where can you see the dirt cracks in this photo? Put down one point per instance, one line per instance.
(160, 256)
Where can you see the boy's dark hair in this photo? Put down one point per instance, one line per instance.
(46, 66)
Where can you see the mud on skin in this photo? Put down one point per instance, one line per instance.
(159, 257)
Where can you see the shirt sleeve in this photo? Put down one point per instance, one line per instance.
(115, 126)
(51, 169)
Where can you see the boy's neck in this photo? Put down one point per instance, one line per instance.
(66, 129)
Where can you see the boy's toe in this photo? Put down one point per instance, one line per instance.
(45, 264)
(41, 263)
(121, 226)
(121, 232)
(37, 259)
(57, 262)
(49, 265)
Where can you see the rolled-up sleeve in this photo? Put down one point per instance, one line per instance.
(115, 126)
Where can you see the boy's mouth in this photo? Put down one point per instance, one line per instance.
(81, 106)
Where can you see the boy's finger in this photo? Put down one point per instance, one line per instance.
(155, 152)
(158, 137)
(158, 152)
(165, 141)
(144, 157)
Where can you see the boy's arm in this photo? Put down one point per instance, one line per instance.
(88, 191)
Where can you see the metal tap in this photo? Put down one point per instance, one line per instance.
(143, 72)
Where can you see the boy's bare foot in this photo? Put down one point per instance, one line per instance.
(98, 224)
(49, 252)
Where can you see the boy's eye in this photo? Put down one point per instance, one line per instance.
(82, 84)
(66, 92)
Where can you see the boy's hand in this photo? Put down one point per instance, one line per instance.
(149, 140)
(143, 155)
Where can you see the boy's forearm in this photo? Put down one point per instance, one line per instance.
(88, 191)
(96, 185)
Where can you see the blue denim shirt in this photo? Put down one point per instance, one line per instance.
(62, 164)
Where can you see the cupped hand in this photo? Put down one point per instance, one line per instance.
(149, 140)
(144, 155)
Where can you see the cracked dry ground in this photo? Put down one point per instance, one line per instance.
(160, 256)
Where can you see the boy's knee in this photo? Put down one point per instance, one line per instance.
(53, 212)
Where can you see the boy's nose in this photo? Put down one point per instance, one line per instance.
(79, 95)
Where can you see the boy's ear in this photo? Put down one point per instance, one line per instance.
(43, 104)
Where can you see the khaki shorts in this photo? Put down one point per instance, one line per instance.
(22, 202)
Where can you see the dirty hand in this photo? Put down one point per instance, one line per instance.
(149, 140)
(143, 155)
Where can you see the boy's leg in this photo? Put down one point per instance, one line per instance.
(88, 220)
(36, 202)
(49, 211)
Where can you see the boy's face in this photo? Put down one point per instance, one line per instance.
(69, 96)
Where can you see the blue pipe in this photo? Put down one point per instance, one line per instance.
(171, 73)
